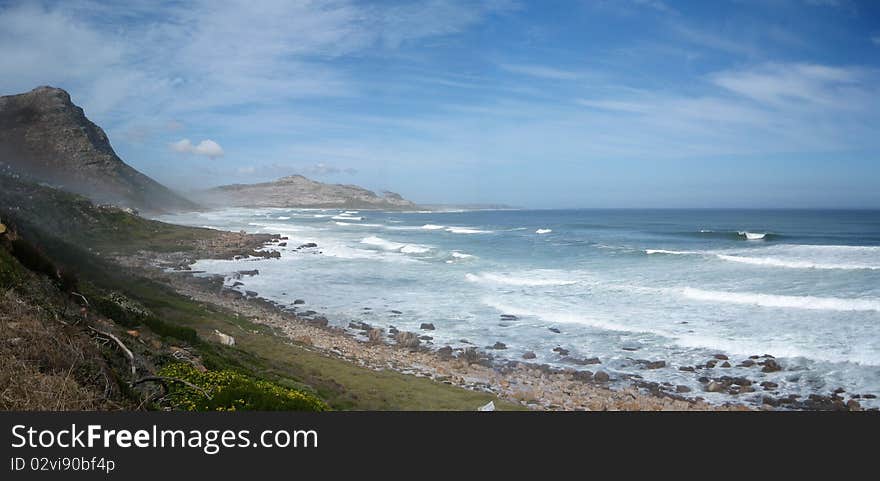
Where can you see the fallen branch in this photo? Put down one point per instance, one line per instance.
(119, 343)
(81, 297)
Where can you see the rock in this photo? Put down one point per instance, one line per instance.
(318, 321)
(869, 396)
(427, 326)
(714, 386)
(224, 339)
(307, 245)
(508, 317)
(251, 293)
(396, 312)
(499, 345)
(703, 379)
(298, 301)
(553, 329)
(711, 364)
(282, 244)
(426, 338)
(254, 272)
(653, 364)
(853, 405)
(721, 357)
(303, 340)
(561, 351)
(682, 389)
(770, 365)
(601, 376)
(581, 362)
(747, 363)
(529, 355)
(407, 339)
(725, 364)
(359, 326)
(445, 352)
(376, 335)
(629, 348)
(470, 355)
(686, 368)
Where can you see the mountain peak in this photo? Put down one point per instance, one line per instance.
(47, 138)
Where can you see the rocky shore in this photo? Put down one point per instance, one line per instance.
(537, 386)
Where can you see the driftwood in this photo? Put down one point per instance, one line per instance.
(119, 343)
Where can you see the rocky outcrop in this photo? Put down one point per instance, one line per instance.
(298, 191)
(46, 138)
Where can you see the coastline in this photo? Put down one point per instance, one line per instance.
(529, 385)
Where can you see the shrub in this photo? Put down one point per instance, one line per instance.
(233, 391)
(33, 258)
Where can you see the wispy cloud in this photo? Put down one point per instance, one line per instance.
(541, 71)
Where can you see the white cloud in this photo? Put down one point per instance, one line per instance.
(541, 71)
(207, 148)
(777, 84)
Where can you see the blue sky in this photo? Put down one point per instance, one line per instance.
(625, 103)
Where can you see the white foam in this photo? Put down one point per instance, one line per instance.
(358, 224)
(528, 279)
(461, 255)
(395, 246)
(467, 230)
(543, 231)
(664, 251)
(792, 302)
(794, 256)
(433, 227)
(414, 249)
(283, 217)
(346, 217)
(321, 216)
(560, 316)
(753, 235)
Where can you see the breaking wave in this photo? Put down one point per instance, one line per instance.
(793, 302)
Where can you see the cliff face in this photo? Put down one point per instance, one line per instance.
(298, 191)
(47, 138)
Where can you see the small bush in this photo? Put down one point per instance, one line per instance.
(33, 258)
(232, 391)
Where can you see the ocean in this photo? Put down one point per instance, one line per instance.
(622, 285)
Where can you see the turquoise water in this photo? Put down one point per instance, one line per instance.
(621, 285)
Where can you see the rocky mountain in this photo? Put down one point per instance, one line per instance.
(45, 137)
(298, 191)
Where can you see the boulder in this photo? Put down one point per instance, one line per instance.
(299, 301)
(770, 365)
(427, 326)
(224, 339)
(601, 376)
(499, 345)
(376, 335)
(529, 355)
(407, 339)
